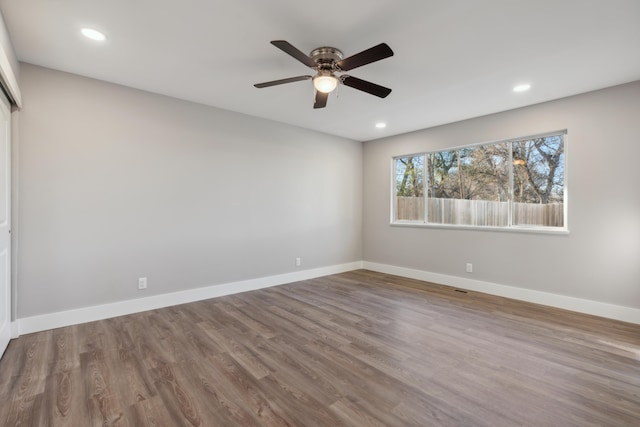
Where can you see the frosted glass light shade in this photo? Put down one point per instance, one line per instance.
(325, 83)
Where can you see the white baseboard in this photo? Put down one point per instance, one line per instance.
(611, 311)
(89, 314)
(15, 329)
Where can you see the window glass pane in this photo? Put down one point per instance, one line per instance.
(409, 188)
(469, 186)
(518, 182)
(538, 182)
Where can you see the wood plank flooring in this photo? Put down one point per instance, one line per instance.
(353, 349)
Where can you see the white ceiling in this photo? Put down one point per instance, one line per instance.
(454, 59)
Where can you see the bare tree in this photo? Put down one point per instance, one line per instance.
(411, 184)
(539, 170)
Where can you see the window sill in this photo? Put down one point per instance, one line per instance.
(515, 229)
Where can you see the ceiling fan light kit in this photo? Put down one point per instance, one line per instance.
(327, 61)
(325, 82)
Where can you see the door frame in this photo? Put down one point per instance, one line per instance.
(6, 324)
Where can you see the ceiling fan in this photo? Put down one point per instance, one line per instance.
(327, 61)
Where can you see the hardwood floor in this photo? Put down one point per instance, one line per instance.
(354, 349)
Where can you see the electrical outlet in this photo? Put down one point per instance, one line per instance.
(469, 267)
(298, 261)
(142, 283)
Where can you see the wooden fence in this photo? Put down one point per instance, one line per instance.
(479, 212)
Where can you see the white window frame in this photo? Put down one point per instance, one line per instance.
(510, 227)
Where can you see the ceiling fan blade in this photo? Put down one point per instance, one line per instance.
(321, 100)
(365, 57)
(366, 86)
(281, 81)
(287, 47)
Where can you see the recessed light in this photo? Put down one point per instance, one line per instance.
(522, 88)
(381, 125)
(92, 34)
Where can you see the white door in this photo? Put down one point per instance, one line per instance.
(5, 222)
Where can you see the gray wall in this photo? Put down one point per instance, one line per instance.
(115, 183)
(600, 258)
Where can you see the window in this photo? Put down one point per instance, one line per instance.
(509, 184)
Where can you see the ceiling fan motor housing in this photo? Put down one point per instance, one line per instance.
(326, 57)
